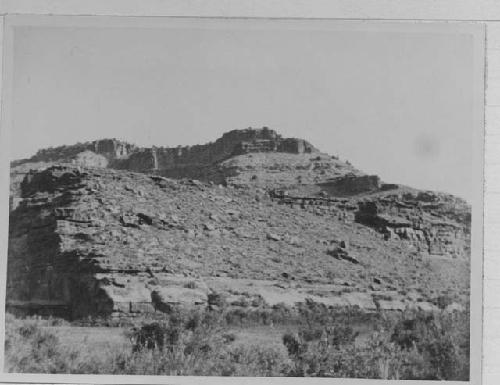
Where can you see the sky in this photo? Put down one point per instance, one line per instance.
(397, 103)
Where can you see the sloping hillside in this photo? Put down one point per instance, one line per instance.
(96, 240)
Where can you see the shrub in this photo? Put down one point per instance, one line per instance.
(413, 345)
(190, 285)
(216, 299)
(255, 361)
(443, 301)
(31, 349)
(150, 336)
(292, 344)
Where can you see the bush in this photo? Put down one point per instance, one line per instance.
(216, 299)
(255, 361)
(443, 301)
(413, 345)
(152, 336)
(200, 347)
(31, 349)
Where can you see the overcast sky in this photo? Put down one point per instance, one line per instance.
(398, 104)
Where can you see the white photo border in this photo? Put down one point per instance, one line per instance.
(478, 32)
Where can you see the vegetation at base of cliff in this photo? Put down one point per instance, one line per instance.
(408, 345)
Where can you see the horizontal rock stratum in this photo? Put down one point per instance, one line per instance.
(249, 156)
(90, 237)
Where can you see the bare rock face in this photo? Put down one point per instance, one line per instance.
(110, 148)
(252, 218)
(352, 184)
(118, 243)
(440, 227)
(90, 159)
(208, 162)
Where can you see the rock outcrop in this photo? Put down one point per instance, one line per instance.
(352, 184)
(438, 227)
(252, 218)
(183, 161)
(240, 157)
(112, 149)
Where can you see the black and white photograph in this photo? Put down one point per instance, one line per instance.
(244, 197)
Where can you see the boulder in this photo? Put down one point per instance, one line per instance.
(128, 220)
(90, 159)
(391, 305)
(208, 227)
(164, 297)
(273, 237)
(426, 306)
(342, 254)
(146, 218)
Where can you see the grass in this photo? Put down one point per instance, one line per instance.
(94, 337)
(311, 341)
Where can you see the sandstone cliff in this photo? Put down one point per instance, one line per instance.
(249, 156)
(273, 221)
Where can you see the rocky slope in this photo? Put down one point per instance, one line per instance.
(270, 222)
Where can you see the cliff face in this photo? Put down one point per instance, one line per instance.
(111, 148)
(437, 224)
(227, 160)
(176, 161)
(118, 243)
(206, 162)
(285, 223)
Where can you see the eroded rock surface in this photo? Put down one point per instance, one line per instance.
(240, 157)
(271, 221)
